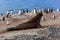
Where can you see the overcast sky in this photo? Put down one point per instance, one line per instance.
(30, 4)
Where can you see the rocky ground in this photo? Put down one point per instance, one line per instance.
(49, 33)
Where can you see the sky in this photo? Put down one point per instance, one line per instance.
(30, 4)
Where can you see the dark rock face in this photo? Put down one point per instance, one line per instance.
(50, 33)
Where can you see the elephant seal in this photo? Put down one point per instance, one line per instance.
(33, 23)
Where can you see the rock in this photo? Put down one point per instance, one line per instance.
(49, 33)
